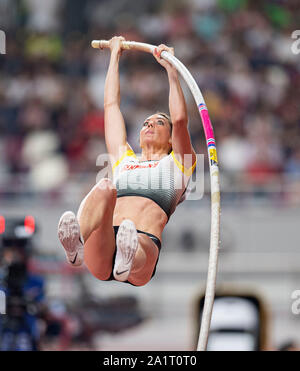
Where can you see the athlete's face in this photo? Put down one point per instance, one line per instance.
(156, 129)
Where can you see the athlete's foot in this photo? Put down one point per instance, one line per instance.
(127, 244)
(70, 238)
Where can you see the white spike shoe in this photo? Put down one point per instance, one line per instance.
(71, 239)
(127, 244)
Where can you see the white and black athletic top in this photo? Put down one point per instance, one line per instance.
(163, 181)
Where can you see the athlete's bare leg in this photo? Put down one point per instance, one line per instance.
(95, 216)
(144, 261)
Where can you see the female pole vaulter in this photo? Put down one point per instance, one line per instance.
(118, 229)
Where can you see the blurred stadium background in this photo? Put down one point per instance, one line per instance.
(51, 126)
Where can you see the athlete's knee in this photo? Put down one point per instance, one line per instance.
(106, 188)
(139, 281)
(102, 276)
(141, 278)
(102, 273)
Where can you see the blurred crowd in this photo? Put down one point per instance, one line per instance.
(238, 51)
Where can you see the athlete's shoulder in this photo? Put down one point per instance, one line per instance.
(187, 171)
(127, 156)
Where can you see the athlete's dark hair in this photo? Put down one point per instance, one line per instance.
(170, 122)
(165, 115)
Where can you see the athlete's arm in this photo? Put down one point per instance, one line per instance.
(114, 125)
(181, 141)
